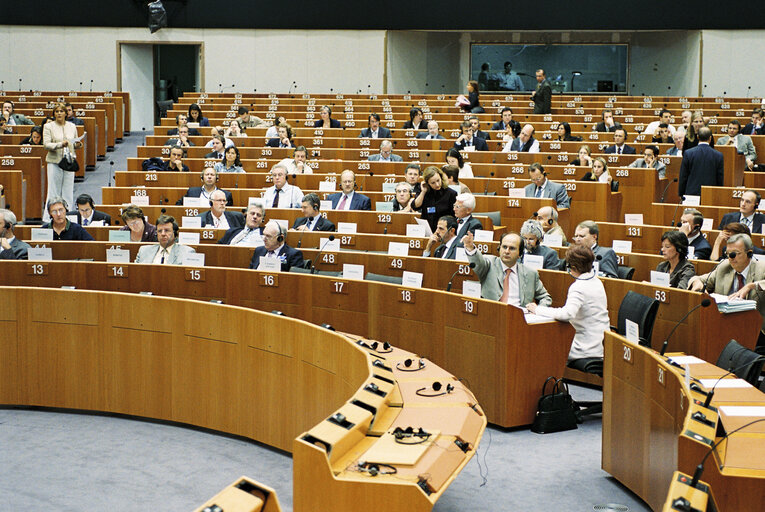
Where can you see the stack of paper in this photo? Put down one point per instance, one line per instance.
(726, 305)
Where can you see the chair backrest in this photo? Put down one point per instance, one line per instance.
(382, 278)
(496, 217)
(624, 272)
(641, 310)
(300, 270)
(743, 362)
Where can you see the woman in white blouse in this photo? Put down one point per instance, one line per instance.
(586, 307)
(58, 136)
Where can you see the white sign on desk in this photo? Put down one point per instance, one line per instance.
(188, 238)
(347, 228)
(72, 219)
(380, 206)
(692, 201)
(327, 186)
(259, 201)
(329, 246)
(195, 202)
(325, 205)
(533, 261)
(425, 225)
(483, 235)
(351, 271)
(191, 222)
(283, 223)
(117, 235)
(40, 254)
(633, 219)
(194, 259)
(460, 254)
(140, 200)
(398, 249)
(117, 256)
(270, 264)
(691, 252)
(411, 279)
(633, 332)
(516, 192)
(622, 246)
(659, 278)
(389, 188)
(553, 240)
(415, 231)
(471, 289)
(707, 225)
(42, 235)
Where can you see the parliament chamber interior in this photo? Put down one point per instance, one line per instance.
(280, 275)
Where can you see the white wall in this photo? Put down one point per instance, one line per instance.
(665, 59)
(423, 62)
(266, 60)
(732, 62)
(138, 78)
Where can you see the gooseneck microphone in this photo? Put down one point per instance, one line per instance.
(300, 240)
(664, 194)
(449, 286)
(700, 468)
(711, 392)
(682, 198)
(316, 259)
(704, 303)
(486, 188)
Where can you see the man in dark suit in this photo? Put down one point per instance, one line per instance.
(504, 123)
(182, 120)
(619, 147)
(375, 131)
(468, 139)
(386, 153)
(87, 214)
(476, 124)
(175, 161)
(532, 234)
(607, 123)
(219, 148)
(348, 199)
(445, 235)
(757, 126)
(525, 141)
(542, 96)
(250, 233)
(747, 213)
(217, 217)
(586, 234)
(209, 185)
(690, 223)
(702, 165)
(432, 132)
(312, 219)
(181, 139)
(274, 246)
(464, 204)
(11, 248)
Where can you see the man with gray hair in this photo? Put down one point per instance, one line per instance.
(386, 153)
(586, 234)
(548, 217)
(432, 132)
(282, 194)
(11, 248)
(532, 234)
(464, 204)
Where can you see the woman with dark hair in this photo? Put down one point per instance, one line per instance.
(196, 116)
(135, 222)
(435, 199)
(674, 250)
(474, 104)
(586, 307)
(415, 120)
(326, 120)
(35, 137)
(734, 228)
(564, 133)
(454, 157)
(230, 161)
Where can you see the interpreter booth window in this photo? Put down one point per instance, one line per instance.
(570, 68)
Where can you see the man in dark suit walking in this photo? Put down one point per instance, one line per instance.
(312, 219)
(702, 165)
(274, 246)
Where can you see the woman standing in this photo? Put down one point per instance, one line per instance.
(59, 139)
(435, 199)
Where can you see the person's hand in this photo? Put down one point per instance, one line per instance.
(532, 307)
(300, 166)
(695, 284)
(685, 228)
(467, 241)
(743, 293)
(302, 227)
(5, 244)
(724, 236)
(424, 186)
(749, 164)
(610, 179)
(586, 160)
(610, 122)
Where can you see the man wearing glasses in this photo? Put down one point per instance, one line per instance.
(274, 246)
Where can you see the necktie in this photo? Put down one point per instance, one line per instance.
(539, 192)
(270, 254)
(276, 198)
(619, 151)
(747, 222)
(85, 222)
(241, 236)
(740, 278)
(460, 221)
(341, 206)
(506, 286)
(164, 253)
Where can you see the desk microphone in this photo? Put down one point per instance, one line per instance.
(704, 289)
(449, 286)
(664, 194)
(294, 84)
(704, 303)
(700, 467)
(316, 259)
(682, 198)
(486, 188)
(300, 240)
(711, 392)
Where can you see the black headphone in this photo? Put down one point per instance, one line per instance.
(522, 247)
(535, 216)
(436, 387)
(280, 237)
(374, 469)
(408, 365)
(202, 176)
(400, 434)
(373, 346)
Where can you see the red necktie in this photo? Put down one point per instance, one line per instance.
(740, 278)
(506, 286)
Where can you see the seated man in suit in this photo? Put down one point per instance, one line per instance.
(586, 234)
(525, 141)
(182, 120)
(532, 234)
(249, 235)
(702, 165)
(607, 123)
(274, 246)
(11, 248)
(175, 161)
(281, 194)
(503, 124)
(540, 186)
(312, 219)
(469, 142)
(12, 119)
(217, 217)
(348, 199)
(181, 139)
(742, 143)
(71, 117)
(445, 235)
(651, 159)
(690, 223)
(677, 139)
(62, 228)
(464, 204)
(747, 213)
(218, 148)
(166, 251)
(412, 175)
(375, 131)
(619, 147)
(87, 214)
(757, 126)
(432, 132)
(504, 278)
(548, 217)
(386, 153)
(209, 179)
(476, 124)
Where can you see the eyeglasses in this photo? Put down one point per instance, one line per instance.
(732, 255)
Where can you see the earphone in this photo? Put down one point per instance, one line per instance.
(408, 365)
(536, 217)
(521, 248)
(280, 238)
(202, 176)
(374, 469)
(373, 346)
(436, 387)
(400, 434)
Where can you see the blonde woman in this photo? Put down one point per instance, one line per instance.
(59, 139)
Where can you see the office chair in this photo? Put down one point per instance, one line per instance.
(496, 217)
(624, 272)
(382, 278)
(741, 359)
(641, 310)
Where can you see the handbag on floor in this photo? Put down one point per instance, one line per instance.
(556, 410)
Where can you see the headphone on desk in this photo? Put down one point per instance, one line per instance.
(408, 365)
(436, 387)
(374, 469)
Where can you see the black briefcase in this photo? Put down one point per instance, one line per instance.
(556, 410)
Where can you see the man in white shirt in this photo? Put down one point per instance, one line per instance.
(217, 217)
(525, 142)
(509, 81)
(282, 194)
(298, 164)
(665, 117)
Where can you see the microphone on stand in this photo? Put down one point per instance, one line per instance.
(316, 259)
(711, 392)
(700, 467)
(91, 85)
(664, 194)
(449, 286)
(704, 303)
(486, 188)
(682, 198)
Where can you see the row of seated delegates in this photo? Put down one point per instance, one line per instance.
(209, 179)
(63, 228)
(11, 248)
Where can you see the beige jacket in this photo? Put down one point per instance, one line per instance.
(53, 135)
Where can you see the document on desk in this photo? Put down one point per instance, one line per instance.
(531, 318)
(725, 383)
(726, 305)
(683, 360)
(743, 410)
